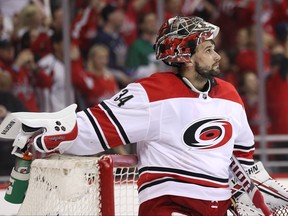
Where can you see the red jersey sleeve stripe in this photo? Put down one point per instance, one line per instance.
(109, 130)
(243, 154)
(116, 122)
(97, 130)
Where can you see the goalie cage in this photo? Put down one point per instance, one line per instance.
(74, 185)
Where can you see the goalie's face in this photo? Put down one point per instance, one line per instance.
(206, 60)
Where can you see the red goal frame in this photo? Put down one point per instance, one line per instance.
(107, 163)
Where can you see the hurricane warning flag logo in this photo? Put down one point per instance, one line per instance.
(208, 133)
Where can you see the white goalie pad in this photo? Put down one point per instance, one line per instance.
(53, 131)
(274, 193)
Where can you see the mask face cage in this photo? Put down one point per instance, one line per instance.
(178, 37)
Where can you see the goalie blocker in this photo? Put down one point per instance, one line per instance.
(48, 132)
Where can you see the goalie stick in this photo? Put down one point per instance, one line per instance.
(248, 186)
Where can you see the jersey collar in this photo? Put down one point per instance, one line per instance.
(192, 87)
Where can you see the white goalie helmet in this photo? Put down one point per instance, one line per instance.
(179, 36)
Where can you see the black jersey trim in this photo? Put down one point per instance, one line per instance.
(160, 181)
(240, 147)
(102, 142)
(182, 172)
(117, 123)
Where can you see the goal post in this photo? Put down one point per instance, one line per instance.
(74, 185)
(106, 176)
(118, 175)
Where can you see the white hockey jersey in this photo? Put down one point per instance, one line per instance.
(185, 137)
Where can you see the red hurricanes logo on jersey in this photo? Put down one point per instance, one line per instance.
(208, 133)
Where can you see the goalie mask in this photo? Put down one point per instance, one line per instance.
(178, 38)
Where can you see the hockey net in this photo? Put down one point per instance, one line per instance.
(71, 185)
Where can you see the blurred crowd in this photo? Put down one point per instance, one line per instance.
(112, 46)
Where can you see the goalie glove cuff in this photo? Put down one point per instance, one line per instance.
(55, 142)
(60, 131)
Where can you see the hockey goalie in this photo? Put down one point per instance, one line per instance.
(189, 125)
(38, 130)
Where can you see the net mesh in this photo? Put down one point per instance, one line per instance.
(63, 186)
(280, 211)
(70, 185)
(248, 209)
(125, 191)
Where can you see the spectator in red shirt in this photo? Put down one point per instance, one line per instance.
(246, 58)
(33, 33)
(96, 82)
(276, 92)
(84, 25)
(25, 74)
(26, 77)
(8, 102)
(133, 10)
(280, 12)
(277, 89)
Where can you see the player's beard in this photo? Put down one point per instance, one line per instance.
(206, 72)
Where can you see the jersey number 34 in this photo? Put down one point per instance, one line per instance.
(123, 97)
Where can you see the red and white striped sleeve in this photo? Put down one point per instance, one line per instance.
(123, 119)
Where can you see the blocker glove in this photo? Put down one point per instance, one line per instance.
(47, 132)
